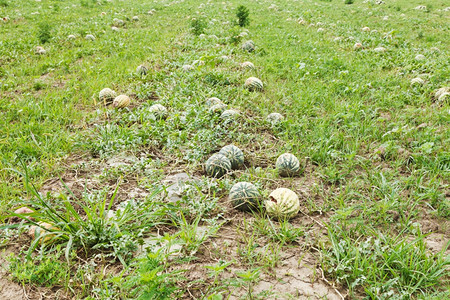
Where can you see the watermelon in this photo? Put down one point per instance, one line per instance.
(247, 65)
(187, 68)
(217, 165)
(141, 70)
(253, 84)
(198, 62)
(40, 50)
(213, 101)
(244, 196)
(287, 165)
(274, 118)
(282, 204)
(420, 57)
(229, 114)
(234, 154)
(118, 22)
(439, 92)
(159, 111)
(417, 81)
(444, 97)
(217, 108)
(380, 49)
(248, 46)
(121, 101)
(107, 95)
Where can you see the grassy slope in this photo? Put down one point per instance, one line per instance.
(351, 116)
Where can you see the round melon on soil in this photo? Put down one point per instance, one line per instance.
(282, 204)
(253, 84)
(247, 65)
(159, 111)
(107, 95)
(213, 101)
(248, 46)
(275, 118)
(287, 165)
(187, 68)
(229, 114)
(234, 154)
(141, 70)
(417, 81)
(217, 165)
(439, 92)
(121, 101)
(217, 108)
(244, 196)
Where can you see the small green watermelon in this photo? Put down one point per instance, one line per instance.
(217, 108)
(248, 46)
(234, 154)
(141, 70)
(217, 165)
(107, 95)
(229, 114)
(159, 111)
(253, 84)
(287, 165)
(213, 101)
(244, 196)
(274, 118)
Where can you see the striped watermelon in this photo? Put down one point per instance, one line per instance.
(217, 165)
(159, 111)
(229, 114)
(213, 101)
(287, 165)
(247, 65)
(107, 95)
(234, 154)
(121, 101)
(244, 196)
(248, 46)
(274, 118)
(141, 70)
(217, 108)
(282, 204)
(253, 84)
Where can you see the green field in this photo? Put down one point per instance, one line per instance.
(363, 88)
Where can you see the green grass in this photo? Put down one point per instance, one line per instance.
(373, 149)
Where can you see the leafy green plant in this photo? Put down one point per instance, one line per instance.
(243, 13)
(91, 227)
(43, 270)
(250, 277)
(198, 26)
(147, 278)
(191, 237)
(384, 267)
(44, 32)
(4, 3)
(154, 280)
